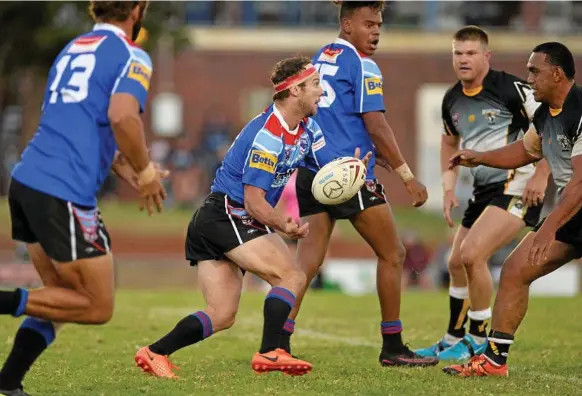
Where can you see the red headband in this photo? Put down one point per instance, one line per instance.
(295, 79)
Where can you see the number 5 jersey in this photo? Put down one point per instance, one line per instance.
(71, 153)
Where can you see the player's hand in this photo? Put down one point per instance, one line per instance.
(468, 158)
(417, 191)
(535, 191)
(449, 201)
(366, 158)
(294, 230)
(542, 242)
(124, 171)
(152, 192)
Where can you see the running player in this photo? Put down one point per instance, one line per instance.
(556, 135)
(485, 109)
(96, 89)
(351, 114)
(233, 230)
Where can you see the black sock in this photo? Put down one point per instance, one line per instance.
(498, 346)
(278, 305)
(13, 302)
(478, 322)
(32, 338)
(392, 336)
(458, 307)
(190, 330)
(288, 329)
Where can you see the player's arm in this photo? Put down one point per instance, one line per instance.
(449, 145)
(258, 176)
(127, 101)
(514, 155)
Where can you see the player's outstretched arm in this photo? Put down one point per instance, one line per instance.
(385, 142)
(514, 155)
(257, 206)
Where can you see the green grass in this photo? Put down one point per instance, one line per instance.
(125, 216)
(338, 334)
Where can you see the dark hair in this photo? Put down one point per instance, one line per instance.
(109, 11)
(471, 32)
(348, 7)
(558, 54)
(287, 68)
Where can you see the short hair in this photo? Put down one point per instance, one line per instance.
(558, 54)
(113, 11)
(471, 33)
(348, 7)
(287, 68)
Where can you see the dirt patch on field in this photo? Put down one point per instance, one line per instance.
(172, 246)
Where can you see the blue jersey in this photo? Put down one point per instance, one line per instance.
(353, 86)
(71, 153)
(265, 154)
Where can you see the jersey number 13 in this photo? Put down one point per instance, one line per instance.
(79, 69)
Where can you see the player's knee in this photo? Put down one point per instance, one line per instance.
(100, 312)
(471, 255)
(393, 256)
(455, 264)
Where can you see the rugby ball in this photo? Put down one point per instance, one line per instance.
(339, 180)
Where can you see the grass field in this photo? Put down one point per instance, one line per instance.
(337, 333)
(125, 216)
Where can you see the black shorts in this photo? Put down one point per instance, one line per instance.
(371, 194)
(66, 231)
(570, 233)
(217, 227)
(493, 195)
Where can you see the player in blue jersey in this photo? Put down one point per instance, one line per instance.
(351, 114)
(234, 229)
(96, 89)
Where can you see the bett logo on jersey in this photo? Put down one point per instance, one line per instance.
(263, 160)
(141, 73)
(373, 86)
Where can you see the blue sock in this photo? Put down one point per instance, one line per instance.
(278, 305)
(32, 338)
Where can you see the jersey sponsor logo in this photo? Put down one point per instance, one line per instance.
(456, 117)
(373, 86)
(565, 143)
(263, 160)
(491, 115)
(329, 55)
(140, 73)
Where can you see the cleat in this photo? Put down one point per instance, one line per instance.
(433, 350)
(477, 366)
(406, 357)
(463, 350)
(279, 360)
(154, 364)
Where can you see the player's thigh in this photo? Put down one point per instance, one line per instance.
(517, 269)
(46, 269)
(312, 249)
(494, 229)
(377, 226)
(267, 257)
(221, 284)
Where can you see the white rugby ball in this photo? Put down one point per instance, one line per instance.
(339, 180)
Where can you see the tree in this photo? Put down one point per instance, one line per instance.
(32, 34)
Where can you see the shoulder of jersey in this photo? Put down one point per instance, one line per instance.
(109, 41)
(573, 103)
(311, 124)
(453, 92)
